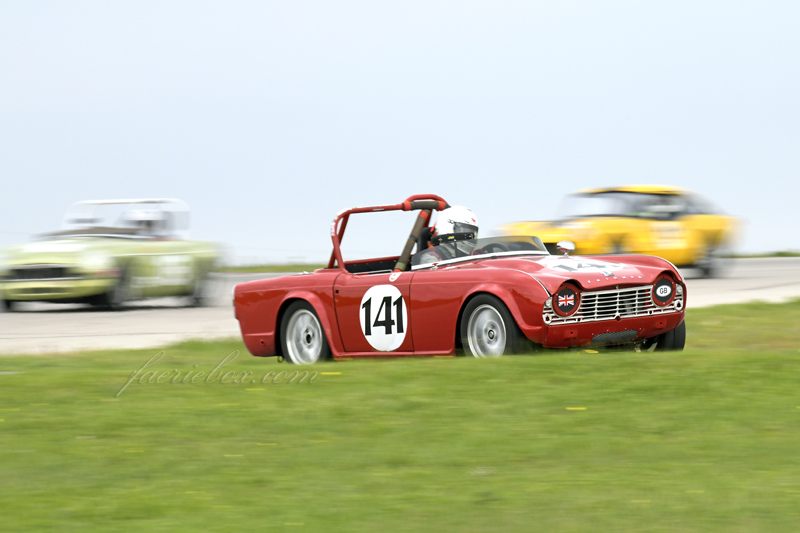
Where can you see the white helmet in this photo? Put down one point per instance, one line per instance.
(456, 219)
(137, 216)
(148, 220)
(453, 235)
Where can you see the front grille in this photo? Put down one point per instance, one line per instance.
(44, 290)
(40, 272)
(613, 304)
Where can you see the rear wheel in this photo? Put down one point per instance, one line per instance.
(302, 337)
(7, 305)
(714, 262)
(673, 340)
(487, 328)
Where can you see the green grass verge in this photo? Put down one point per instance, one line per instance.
(768, 254)
(700, 440)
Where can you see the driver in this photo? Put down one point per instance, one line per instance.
(147, 223)
(455, 232)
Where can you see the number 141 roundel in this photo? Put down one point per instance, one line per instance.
(384, 317)
(484, 297)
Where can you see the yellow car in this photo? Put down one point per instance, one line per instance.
(669, 222)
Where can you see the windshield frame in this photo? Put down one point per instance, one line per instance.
(479, 244)
(104, 219)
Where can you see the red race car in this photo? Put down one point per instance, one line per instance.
(487, 296)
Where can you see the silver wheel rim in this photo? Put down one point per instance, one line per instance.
(304, 338)
(200, 292)
(486, 332)
(712, 263)
(121, 293)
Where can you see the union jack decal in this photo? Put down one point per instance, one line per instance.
(567, 300)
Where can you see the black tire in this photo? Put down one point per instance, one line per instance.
(8, 306)
(303, 340)
(715, 263)
(117, 298)
(679, 337)
(672, 341)
(710, 267)
(488, 329)
(201, 294)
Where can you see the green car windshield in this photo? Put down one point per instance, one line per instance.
(156, 218)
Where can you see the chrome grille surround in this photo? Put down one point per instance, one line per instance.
(41, 272)
(611, 304)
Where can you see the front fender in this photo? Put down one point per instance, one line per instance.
(525, 304)
(325, 313)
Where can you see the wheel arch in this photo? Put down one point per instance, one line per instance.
(496, 291)
(313, 300)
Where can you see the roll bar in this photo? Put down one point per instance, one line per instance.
(424, 202)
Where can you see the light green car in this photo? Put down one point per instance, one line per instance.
(110, 252)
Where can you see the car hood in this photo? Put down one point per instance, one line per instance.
(59, 251)
(589, 272)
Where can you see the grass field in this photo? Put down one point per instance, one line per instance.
(702, 440)
(785, 253)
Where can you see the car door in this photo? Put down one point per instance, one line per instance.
(143, 268)
(712, 230)
(372, 312)
(436, 299)
(177, 268)
(668, 235)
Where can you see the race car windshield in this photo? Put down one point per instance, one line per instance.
(620, 203)
(476, 249)
(126, 219)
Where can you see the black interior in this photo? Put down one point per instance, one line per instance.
(376, 266)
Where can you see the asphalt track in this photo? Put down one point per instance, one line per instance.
(47, 328)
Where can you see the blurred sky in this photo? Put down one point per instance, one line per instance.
(270, 117)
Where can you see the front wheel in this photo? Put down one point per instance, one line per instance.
(302, 336)
(201, 292)
(672, 341)
(714, 263)
(487, 328)
(119, 295)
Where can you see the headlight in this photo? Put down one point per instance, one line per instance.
(663, 290)
(566, 299)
